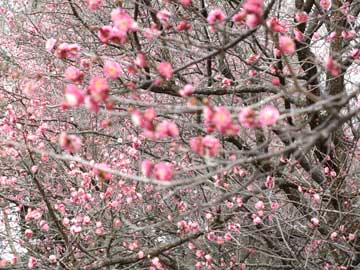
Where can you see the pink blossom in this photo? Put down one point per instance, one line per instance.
(247, 118)
(325, 4)
(167, 128)
(276, 26)
(183, 26)
(186, 2)
(301, 17)
(165, 69)
(93, 4)
(52, 259)
(50, 44)
(332, 67)
(207, 145)
(70, 143)
(73, 96)
(286, 45)
(112, 69)
(29, 233)
(239, 17)
(275, 81)
(137, 118)
(123, 21)
(163, 15)
(315, 221)
(104, 33)
(99, 89)
(222, 118)
(298, 35)
(44, 226)
(252, 20)
(141, 254)
(259, 205)
(268, 115)
(117, 36)
(187, 90)
(163, 171)
(140, 60)
(254, 6)
(269, 183)
(257, 220)
(216, 16)
(225, 83)
(73, 74)
(32, 262)
(146, 167)
(333, 236)
(65, 50)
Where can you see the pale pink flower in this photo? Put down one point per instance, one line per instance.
(32, 262)
(52, 259)
(165, 69)
(73, 74)
(163, 171)
(94, 4)
(286, 45)
(187, 90)
(298, 35)
(252, 20)
(333, 236)
(50, 44)
(146, 167)
(315, 221)
(269, 183)
(268, 115)
(332, 67)
(167, 128)
(239, 17)
(325, 4)
(163, 15)
(216, 16)
(70, 143)
(254, 6)
(247, 118)
(140, 60)
(301, 17)
(112, 69)
(276, 26)
(104, 33)
(257, 220)
(123, 21)
(221, 118)
(73, 96)
(99, 89)
(259, 205)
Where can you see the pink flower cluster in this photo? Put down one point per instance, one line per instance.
(123, 24)
(207, 145)
(267, 116)
(252, 12)
(152, 130)
(162, 171)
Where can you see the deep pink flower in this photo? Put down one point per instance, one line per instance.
(183, 26)
(140, 60)
(165, 69)
(298, 35)
(268, 115)
(332, 67)
(104, 33)
(275, 25)
(252, 20)
(186, 2)
(32, 262)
